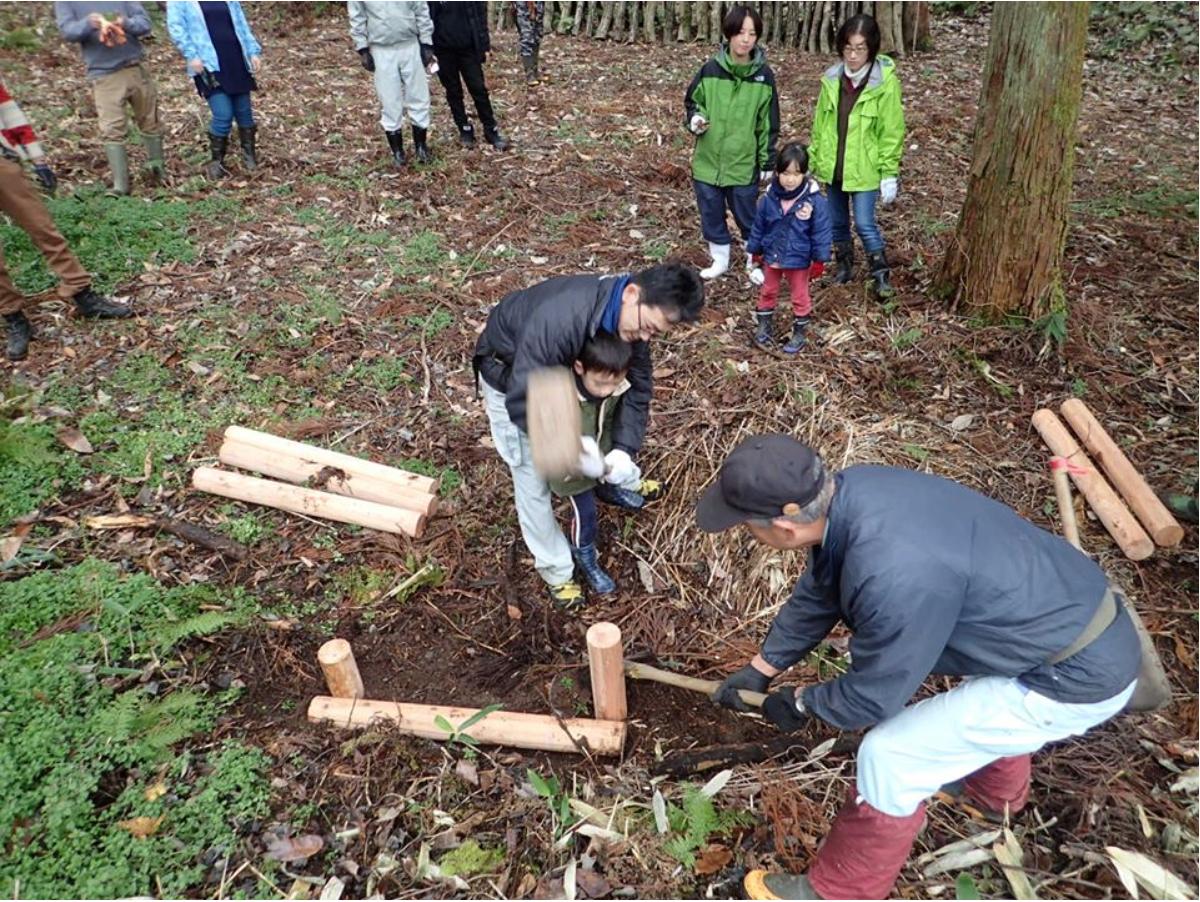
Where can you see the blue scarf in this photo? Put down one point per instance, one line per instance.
(612, 310)
(777, 189)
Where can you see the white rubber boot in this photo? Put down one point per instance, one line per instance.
(720, 261)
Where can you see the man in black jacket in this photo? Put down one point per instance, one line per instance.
(461, 43)
(547, 325)
(930, 577)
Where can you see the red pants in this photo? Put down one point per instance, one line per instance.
(797, 280)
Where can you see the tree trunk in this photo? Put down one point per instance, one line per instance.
(1006, 255)
(648, 13)
(714, 23)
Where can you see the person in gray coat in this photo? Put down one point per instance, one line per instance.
(929, 577)
(394, 40)
(108, 37)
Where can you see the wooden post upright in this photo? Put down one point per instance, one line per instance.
(341, 671)
(606, 660)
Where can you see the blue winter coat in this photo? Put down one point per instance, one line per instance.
(189, 33)
(789, 242)
(932, 577)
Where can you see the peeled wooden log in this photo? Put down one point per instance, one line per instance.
(510, 728)
(555, 422)
(285, 447)
(308, 501)
(234, 453)
(1163, 528)
(341, 671)
(605, 657)
(1115, 516)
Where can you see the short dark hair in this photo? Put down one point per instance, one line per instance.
(794, 152)
(736, 18)
(675, 287)
(865, 27)
(606, 353)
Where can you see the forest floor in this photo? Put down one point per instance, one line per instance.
(335, 299)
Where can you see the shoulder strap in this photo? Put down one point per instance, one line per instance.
(1105, 614)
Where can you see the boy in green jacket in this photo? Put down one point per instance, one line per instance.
(600, 379)
(733, 110)
(857, 142)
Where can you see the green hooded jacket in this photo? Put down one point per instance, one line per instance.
(597, 418)
(874, 134)
(742, 108)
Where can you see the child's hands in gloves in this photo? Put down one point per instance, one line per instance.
(591, 461)
(622, 471)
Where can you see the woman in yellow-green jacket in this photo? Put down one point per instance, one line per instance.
(857, 142)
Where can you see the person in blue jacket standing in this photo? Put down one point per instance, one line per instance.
(930, 577)
(223, 56)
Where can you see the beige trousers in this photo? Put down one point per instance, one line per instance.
(131, 85)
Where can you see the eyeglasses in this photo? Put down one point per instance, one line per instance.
(850, 48)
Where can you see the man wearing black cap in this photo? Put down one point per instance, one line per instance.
(930, 577)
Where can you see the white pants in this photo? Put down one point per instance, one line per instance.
(535, 508)
(401, 82)
(905, 759)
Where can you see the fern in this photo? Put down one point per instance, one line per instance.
(696, 822)
(202, 624)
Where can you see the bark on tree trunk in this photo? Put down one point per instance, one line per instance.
(1006, 255)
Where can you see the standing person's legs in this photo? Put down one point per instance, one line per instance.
(222, 114)
(449, 74)
(110, 93)
(243, 112)
(839, 212)
(535, 511)
(743, 203)
(769, 293)
(472, 70)
(389, 86)
(416, 84)
(864, 220)
(144, 99)
(797, 280)
(20, 200)
(583, 543)
(710, 200)
(907, 758)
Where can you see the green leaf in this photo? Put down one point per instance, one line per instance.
(538, 782)
(964, 887)
(478, 716)
(443, 724)
(467, 740)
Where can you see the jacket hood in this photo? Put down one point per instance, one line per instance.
(882, 69)
(758, 59)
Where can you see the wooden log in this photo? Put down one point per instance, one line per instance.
(350, 464)
(637, 671)
(554, 421)
(308, 501)
(234, 453)
(341, 671)
(522, 731)
(692, 761)
(1115, 516)
(1124, 476)
(605, 656)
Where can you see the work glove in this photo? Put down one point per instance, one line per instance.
(698, 125)
(781, 709)
(816, 270)
(749, 678)
(622, 471)
(754, 269)
(765, 176)
(427, 55)
(46, 177)
(888, 189)
(368, 61)
(591, 461)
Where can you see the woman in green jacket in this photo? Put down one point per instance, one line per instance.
(857, 142)
(732, 108)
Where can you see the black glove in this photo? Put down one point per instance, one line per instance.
(780, 708)
(427, 56)
(46, 177)
(368, 61)
(749, 678)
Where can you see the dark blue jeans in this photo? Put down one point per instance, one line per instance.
(583, 530)
(712, 201)
(225, 108)
(864, 216)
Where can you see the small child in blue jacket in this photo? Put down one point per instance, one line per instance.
(792, 236)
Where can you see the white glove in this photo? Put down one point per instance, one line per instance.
(698, 125)
(765, 176)
(754, 272)
(622, 471)
(591, 461)
(888, 188)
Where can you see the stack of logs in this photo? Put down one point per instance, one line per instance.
(345, 706)
(1134, 540)
(338, 486)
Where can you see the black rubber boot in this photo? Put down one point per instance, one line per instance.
(778, 885)
(246, 137)
(217, 146)
(97, 306)
(466, 135)
(420, 148)
(843, 253)
(796, 342)
(19, 333)
(763, 334)
(619, 497)
(531, 73)
(497, 140)
(879, 275)
(396, 143)
(588, 562)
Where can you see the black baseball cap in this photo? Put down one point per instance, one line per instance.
(766, 476)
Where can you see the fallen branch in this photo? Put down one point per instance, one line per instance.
(198, 535)
(681, 764)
